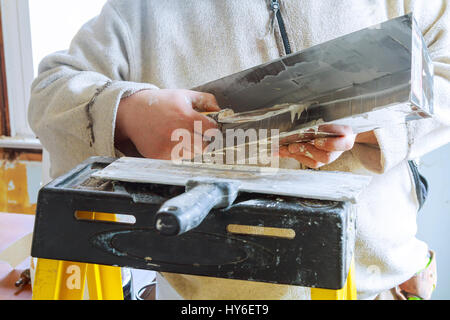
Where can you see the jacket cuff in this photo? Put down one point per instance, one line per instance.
(102, 114)
(393, 145)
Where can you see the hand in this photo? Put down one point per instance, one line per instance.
(367, 138)
(321, 151)
(145, 120)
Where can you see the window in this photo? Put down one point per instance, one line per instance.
(33, 29)
(67, 15)
(18, 63)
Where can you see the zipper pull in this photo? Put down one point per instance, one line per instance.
(274, 6)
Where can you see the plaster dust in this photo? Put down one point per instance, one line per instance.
(307, 133)
(295, 110)
(309, 155)
(188, 100)
(322, 185)
(152, 101)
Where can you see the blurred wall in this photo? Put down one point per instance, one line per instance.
(434, 219)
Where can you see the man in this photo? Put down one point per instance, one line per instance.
(120, 89)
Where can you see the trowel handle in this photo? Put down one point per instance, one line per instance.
(187, 211)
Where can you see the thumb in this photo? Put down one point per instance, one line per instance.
(203, 102)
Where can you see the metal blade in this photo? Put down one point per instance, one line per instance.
(346, 79)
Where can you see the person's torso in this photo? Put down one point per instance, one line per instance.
(182, 44)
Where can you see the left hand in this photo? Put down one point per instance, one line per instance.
(321, 151)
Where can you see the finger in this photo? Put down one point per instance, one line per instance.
(309, 151)
(341, 130)
(311, 163)
(303, 136)
(204, 123)
(343, 143)
(202, 101)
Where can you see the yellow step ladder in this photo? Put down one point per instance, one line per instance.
(348, 292)
(65, 280)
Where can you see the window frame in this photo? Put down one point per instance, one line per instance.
(4, 114)
(15, 16)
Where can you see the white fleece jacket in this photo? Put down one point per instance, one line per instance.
(183, 43)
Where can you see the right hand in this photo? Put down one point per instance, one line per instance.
(147, 119)
(321, 151)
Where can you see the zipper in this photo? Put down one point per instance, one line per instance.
(420, 183)
(275, 7)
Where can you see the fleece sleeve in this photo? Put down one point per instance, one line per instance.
(414, 139)
(74, 99)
